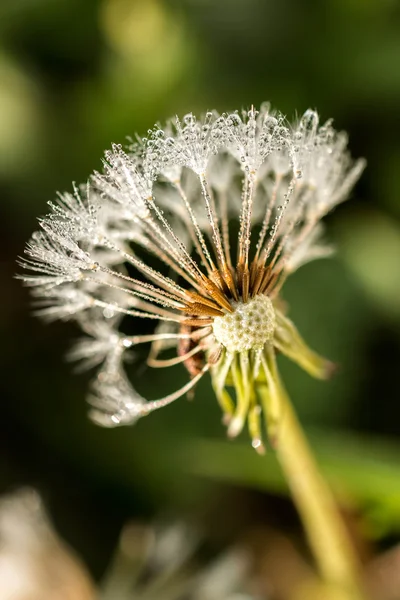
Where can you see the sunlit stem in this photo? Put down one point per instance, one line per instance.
(325, 529)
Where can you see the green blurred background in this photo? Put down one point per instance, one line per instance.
(76, 76)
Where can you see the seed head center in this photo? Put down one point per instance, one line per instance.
(249, 327)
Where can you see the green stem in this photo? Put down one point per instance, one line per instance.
(325, 529)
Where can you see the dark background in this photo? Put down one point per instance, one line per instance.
(76, 76)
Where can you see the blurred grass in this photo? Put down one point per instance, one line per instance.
(371, 249)
(363, 471)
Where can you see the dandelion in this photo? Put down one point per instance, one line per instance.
(197, 227)
(150, 238)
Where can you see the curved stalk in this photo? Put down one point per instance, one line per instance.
(325, 529)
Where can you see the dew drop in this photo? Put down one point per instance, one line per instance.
(189, 119)
(108, 312)
(309, 121)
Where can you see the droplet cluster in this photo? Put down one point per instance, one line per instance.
(249, 327)
(142, 239)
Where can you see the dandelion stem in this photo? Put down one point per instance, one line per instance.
(326, 532)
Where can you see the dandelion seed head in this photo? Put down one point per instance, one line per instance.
(151, 237)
